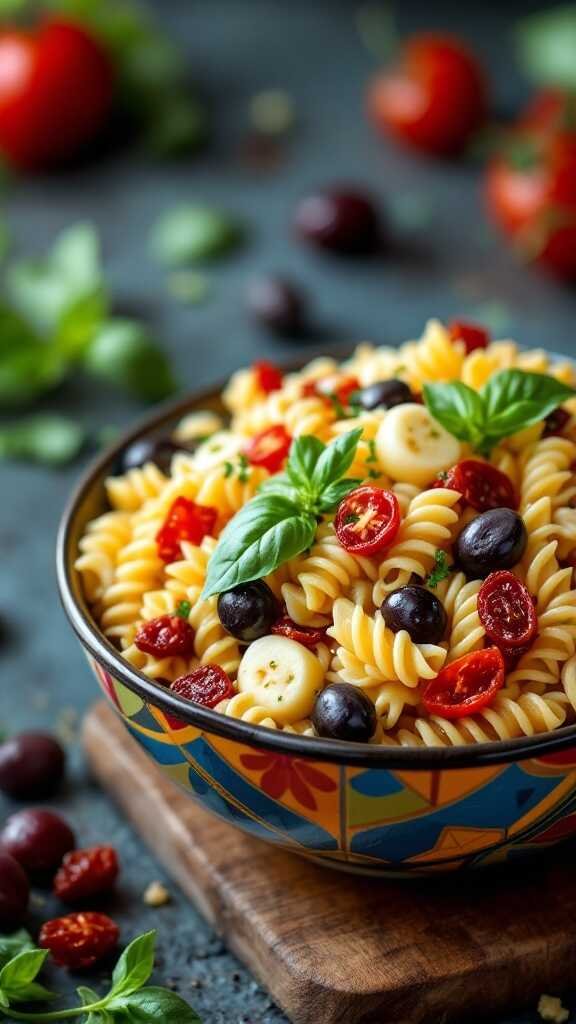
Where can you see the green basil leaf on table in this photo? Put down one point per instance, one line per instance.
(87, 995)
(154, 1006)
(191, 233)
(135, 965)
(10, 945)
(546, 44)
(267, 531)
(79, 323)
(22, 969)
(335, 460)
(33, 992)
(48, 439)
(123, 353)
(514, 400)
(458, 408)
(304, 454)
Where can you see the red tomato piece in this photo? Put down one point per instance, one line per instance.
(305, 635)
(556, 422)
(56, 87)
(367, 520)
(168, 636)
(185, 521)
(467, 685)
(79, 940)
(473, 335)
(333, 388)
(206, 685)
(481, 485)
(269, 448)
(435, 99)
(268, 376)
(506, 610)
(85, 874)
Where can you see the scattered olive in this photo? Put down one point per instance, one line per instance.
(343, 221)
(14, 893)
(384, 394)
(344, 712)
(494, 540)
(37, 839)
(158, 450)
(418, 611)
(31, 766)
(277, 304)
(248, 611)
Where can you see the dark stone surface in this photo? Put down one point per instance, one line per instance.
(447, 263)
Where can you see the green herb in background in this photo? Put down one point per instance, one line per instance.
(546, 44)
(127, 1000)
(509, 402)
(189, 286)
(191, 233)
(49, 439)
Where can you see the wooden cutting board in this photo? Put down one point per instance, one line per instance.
(332, 948)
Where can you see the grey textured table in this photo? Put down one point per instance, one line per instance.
(449, 264)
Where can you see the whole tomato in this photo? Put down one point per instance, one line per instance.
(531, 194)
(434, 98)
(56, 86)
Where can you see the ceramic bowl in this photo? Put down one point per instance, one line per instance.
(387, 811)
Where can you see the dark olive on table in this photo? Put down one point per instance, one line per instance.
(14, 893)
(248, 611)
(383, 394)
(344, 221)
(31, 766)
(37, 839)
(494, 540)
(344, 712)
(418, 611)
(277, 304)
(160, 451)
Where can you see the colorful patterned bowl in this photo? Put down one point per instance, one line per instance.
(385, 811)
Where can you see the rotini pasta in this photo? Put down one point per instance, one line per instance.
(326, 623)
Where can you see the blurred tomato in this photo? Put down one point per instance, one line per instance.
(56, 85)
(550, 111)
(531, 193)
(434, 99)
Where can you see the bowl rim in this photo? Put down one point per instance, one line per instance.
(208, 721)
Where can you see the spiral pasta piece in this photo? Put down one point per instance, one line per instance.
(547, 471)
(99, 547)
(466, 630)
(229, 492)
(212, 644)
(243, 706)
(130, 491)
(138, 570)
(369, 653)
(327, 571)
(436, 357)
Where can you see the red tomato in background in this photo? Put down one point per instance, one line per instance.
(56, 86)
(531, 194)
(434, 99)
(550, 111)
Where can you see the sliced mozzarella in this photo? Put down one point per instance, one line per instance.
(222, 447)
(414, 447)
(282, 676)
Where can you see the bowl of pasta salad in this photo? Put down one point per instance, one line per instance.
(336, 603)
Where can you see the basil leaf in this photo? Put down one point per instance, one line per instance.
(269, 530)
(11, 945)
(334, 494)
(279, 485)
(458, 408)
(87, 995)
(22, 969)
(4, 1000)
(304, 454)
(335, 460)
(546, 44)
(514, 400)
(50, 439)
(31, 993)
(154, 1006)
(27, 372)
(123, 353)
(79, 323)
(135, 965)
(191, 234)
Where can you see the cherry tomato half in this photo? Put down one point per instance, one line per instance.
(435, 99)
(473, 335)
(305, 635)
(206, 685)
(506, 610)
(334, 388)
(481, 485)
(268, 376)
(367, 520)
(556, 422)
(185, 521)
(467, 685)
(269, 448)
(56, 87)
(80, 940)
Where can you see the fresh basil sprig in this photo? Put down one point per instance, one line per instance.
(280, 522)
(129, 998)
(509, 402)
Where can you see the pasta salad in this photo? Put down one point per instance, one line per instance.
(379, 550)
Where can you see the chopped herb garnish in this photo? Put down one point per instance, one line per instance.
(351, 518)
(372, 457)
(243, 469)
(183, 610)
(373, 474)
(228, 469)
(441, 570)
